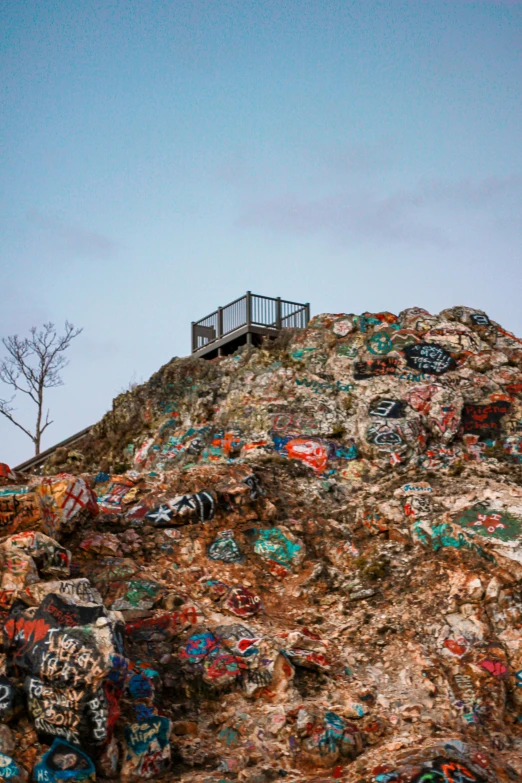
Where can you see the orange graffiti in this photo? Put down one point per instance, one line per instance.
(311, 452)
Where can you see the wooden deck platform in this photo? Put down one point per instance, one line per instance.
(245, 321)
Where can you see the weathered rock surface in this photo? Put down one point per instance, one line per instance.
(296, 562)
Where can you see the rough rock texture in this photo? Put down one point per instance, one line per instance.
(300, 562)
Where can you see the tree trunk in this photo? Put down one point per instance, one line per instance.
(38, 431)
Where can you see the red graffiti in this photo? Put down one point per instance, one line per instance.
(490, 521)
(165, 622)
(28, 632)
(112, 694)
(449, 767)
(242, 602)
(225, 665)
(318, 658)
(6, 598)
(455, 647)
(153, 764)
(277, 569)
(449, 419)
(244, 644)
(495, 668)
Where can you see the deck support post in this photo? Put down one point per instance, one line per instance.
(220, 328)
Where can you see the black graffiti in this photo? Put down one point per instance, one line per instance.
(383, 436)
(429, 358)
(385, 365)
(160, 515)
(81, 589)
(10, 699)
(479, 319)
(48, 731)
(388, 409)
(67, 659)
(57, 612)
(259, 677)
(98, 715)
(201, 504)
(484, 419)
(205, 503)
(255, 487)
(55, 712)
(195, 447)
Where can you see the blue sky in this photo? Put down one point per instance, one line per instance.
(160, 158)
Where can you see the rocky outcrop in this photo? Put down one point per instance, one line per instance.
(302, 561)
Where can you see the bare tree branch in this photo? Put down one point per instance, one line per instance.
(47, 422)
(33, 364)
(6, 411)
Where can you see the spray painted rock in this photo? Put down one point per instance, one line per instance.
(11, 701)
(64, 762)
(242, 602)
(146, 748)
(11, 770)
(63, 499)
(225, 548)
(277, 545)
(329, 738)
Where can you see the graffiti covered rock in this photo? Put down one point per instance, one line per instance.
(299, 562)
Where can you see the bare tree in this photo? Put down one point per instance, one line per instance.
(32, 365)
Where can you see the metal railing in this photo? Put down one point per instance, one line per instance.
(249, 310)
(40, 458)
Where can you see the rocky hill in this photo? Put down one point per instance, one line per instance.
(299, 562)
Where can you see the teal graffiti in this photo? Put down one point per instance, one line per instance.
(272, 544)
(440, 538)
(380, 343)
(301, 352)
(319, 386)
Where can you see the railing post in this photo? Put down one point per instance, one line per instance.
(307, 313)
(249, 316)
(193, 336)
(249, 308)
(278, 312)
(220, 329)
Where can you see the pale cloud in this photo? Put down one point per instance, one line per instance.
(72, 241)
(422, 214)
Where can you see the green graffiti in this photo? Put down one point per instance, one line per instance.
(489, 523)
(345, 349)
